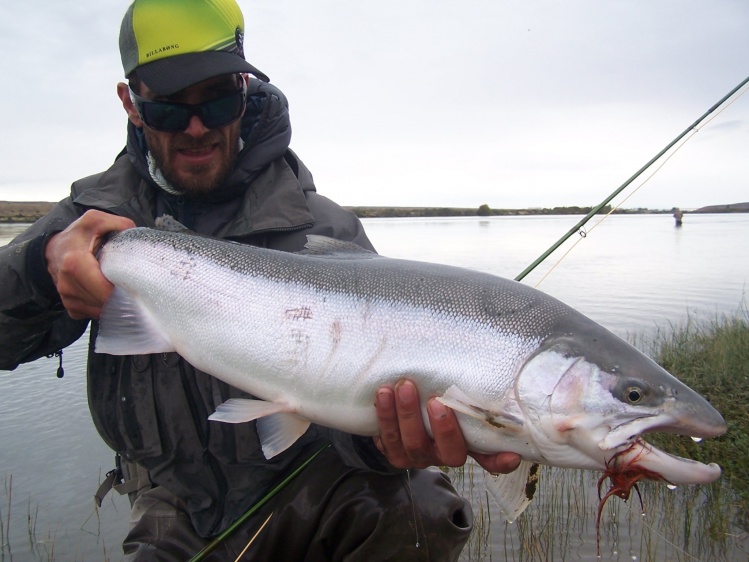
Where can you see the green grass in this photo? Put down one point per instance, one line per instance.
(712, 357)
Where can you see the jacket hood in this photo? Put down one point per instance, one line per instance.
(266, 132)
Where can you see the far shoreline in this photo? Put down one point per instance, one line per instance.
(13, 212)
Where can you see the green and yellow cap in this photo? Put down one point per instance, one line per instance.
(174, 44)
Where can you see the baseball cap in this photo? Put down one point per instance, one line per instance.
(174, 44)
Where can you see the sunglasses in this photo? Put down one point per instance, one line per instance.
(173, 117)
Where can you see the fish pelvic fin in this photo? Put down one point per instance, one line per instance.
(126, 328)
(513, 492)
(279, 432)
(277, 428)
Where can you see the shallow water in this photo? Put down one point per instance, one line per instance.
(633, 274)
(685, 524)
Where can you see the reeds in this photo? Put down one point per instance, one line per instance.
(712, 357)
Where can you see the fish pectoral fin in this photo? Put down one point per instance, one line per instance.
(459, 401)
(513, 492)
(240, 410)
(126, 328)
(279, 432)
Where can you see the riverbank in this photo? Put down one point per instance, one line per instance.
(21, 212)
(16, 211)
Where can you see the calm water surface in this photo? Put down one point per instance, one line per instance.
(633, 274)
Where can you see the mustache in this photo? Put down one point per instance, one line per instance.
(190, 143)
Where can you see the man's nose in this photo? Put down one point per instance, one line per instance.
(196, 128)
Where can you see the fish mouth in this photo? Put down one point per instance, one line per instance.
(638, 456)
(687, 423)
(632, 454)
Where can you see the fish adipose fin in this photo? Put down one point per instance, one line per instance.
(460, 402)
(276, 428)
(513, 492)
(125, 328)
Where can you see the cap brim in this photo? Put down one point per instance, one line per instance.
(172, 74)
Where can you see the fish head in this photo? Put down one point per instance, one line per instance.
(592, 390)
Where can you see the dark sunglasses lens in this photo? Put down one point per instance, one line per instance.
(221, 111)
(166, 116)
(175, 117)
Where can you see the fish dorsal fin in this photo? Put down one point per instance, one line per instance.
(126, 328)
(168, 223)
(331, 248)
(513, 492)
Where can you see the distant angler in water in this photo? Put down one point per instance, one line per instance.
(678, 215)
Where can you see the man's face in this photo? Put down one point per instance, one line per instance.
(197, 160)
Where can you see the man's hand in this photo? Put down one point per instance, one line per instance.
(404, 441)
(71, 261)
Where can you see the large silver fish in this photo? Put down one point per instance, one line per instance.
(313, 335)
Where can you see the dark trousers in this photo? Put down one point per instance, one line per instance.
(328, 512)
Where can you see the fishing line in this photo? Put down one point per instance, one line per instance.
(253, 538)
(691, 130)
(584, 233)
(668, 542)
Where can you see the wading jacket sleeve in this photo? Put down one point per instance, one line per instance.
(153, 409)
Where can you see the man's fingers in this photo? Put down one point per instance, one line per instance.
(449, 443)
(499, 463)
(387, 417)
(72, 264)
(86, 289)
(403, 436)
(389, 441)
(416, 442)
(404, 439)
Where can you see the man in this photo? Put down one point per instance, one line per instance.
(209, 145)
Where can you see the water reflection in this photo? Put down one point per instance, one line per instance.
(689, 523)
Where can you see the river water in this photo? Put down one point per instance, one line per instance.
(634, 274)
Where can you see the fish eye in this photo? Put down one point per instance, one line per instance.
(633, 394)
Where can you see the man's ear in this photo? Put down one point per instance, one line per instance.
(123, 92)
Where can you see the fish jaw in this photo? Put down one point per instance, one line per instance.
(640, 456)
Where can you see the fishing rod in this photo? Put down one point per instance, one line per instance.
(639, 172)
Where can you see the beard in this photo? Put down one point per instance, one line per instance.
(195, 181)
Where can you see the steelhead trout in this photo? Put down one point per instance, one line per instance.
(314, 334)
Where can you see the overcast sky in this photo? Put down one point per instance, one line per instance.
(522, 103)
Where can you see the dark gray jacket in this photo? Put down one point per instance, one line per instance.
(153, 409)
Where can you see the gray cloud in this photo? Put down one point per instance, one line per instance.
(416, 102)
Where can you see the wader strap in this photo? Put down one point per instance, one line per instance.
(133, 481)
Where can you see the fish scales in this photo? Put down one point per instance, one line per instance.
(489, 299)
(404, 306)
